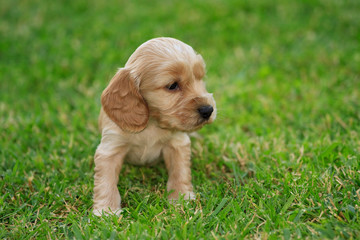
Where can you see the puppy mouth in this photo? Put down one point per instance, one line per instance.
(205, 115)
(186, 121)
(201, 122)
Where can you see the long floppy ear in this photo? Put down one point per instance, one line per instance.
(123, 103)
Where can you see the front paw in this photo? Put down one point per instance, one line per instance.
(175, 195)
(107, 212)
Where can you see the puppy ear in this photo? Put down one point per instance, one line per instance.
(123, 103)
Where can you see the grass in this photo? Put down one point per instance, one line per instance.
(281, 160)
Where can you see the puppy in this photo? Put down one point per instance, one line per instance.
(148, 109)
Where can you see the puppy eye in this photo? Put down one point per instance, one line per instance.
(173, 86)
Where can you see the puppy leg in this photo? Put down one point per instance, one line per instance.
(177, 161)
(108, 163)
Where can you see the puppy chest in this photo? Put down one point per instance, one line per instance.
(146, 147)
(144, 154)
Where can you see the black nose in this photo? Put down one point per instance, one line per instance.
(205, 111)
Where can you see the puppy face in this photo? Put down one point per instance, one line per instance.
(163, 80)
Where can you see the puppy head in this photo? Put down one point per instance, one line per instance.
(162, 80)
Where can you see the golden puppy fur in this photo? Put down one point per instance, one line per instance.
(147, 110)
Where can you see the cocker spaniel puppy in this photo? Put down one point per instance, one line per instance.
(148, 109)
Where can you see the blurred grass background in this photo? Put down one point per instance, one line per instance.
(281, 160)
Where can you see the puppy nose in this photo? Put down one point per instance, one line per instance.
(205, 111)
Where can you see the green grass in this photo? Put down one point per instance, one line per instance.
(280, 161)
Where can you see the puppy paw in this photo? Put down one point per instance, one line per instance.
(174, 196)
(107, 212)
(190, 196)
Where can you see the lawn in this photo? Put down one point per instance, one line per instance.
(280, 161)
